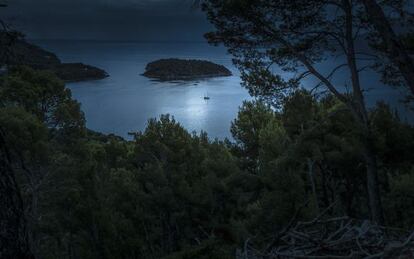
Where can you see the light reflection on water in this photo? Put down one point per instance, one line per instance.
(126, 100)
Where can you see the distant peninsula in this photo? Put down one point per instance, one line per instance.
(25, 53)
(183, 69)
(76, 72)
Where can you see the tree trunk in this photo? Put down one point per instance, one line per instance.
(312, 182)
(395, 49)
(13, 233)
(374, 197)
(361, 113)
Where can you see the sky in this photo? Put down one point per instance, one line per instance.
(118, 20)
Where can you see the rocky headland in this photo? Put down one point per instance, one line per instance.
(21, 52)
(76, 72)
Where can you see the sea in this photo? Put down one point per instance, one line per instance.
(124, 102)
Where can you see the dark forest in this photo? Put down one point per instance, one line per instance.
(308, 172)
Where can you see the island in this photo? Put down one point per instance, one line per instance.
(28, 54)
(183, 69)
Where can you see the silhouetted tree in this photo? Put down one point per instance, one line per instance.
(394, 47)
(297, 36)
(13, 227)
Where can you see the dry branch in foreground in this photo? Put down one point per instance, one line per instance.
(340, 237)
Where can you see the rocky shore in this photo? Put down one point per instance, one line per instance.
(181, 69)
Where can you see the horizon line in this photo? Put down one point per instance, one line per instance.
(108, 40)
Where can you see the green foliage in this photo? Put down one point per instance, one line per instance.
(251, 119)
(300, 112)
(25, 134)
(399, 202)
(408, 41)
(172, 194)
(183, 180)
(394, 139)
(44, 95)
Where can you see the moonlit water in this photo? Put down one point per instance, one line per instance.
(125, 101)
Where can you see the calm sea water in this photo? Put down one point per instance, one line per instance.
(126, 100)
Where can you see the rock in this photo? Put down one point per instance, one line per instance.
(180, 69)
(22, 52)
